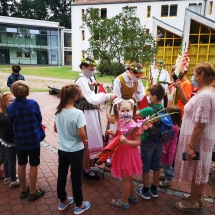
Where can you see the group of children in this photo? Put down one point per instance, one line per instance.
(21, 134)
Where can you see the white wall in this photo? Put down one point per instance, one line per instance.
(112, 9)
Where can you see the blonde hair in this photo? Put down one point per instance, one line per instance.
(4, 100)
(20, 89)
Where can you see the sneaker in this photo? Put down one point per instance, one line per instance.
(165, 183)
(154, 193)
(63, 206)
(140, 192)
(15, 183)
(79, 210)
(7, 181)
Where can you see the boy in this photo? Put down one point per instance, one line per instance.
(151, 151)
(26, 119)
(15, 75)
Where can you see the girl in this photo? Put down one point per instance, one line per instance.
(70, 126)
(7, 141)
(126, 160)
(2, 175)
(169, 148)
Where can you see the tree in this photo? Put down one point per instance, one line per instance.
(120, 38)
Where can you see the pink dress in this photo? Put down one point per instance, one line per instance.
(126, 160)
(170, 148)
(200, 109)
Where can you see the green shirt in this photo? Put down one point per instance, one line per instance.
(148, 112)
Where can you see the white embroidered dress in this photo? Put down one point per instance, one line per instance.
(93, 117)
(200, 109)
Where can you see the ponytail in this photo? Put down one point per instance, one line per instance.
(67, 92)
(134, 110)
(116, 112)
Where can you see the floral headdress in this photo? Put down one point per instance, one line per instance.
(94, 64)
(135, 69)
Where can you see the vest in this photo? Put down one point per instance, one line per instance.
(127, 92)
(84, 104)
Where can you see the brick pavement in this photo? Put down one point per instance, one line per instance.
(99, 193)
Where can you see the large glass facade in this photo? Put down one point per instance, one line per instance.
(169, 46)
(202, 44)
(28, 45)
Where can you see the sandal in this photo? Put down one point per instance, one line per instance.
(165, 183)
(201, 201)
(184, 206)
(95, 177)
(133, 199)
(23, 195)
(118, 203)
(38, 194)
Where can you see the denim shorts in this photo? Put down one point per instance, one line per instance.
(151, 155)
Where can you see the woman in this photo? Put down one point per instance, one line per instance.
(128, 84)
(197, 135)
(89, 104)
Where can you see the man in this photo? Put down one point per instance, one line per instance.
(161, 75)
(15, 76)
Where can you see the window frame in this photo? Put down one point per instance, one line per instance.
(148, 11)
(176, 10)
(163, 11)
(210, 7)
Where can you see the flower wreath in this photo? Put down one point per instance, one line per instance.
(83, 60)
(135, 69)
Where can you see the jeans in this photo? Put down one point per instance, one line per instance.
(168, 171)
(10, 163)
(75, 159)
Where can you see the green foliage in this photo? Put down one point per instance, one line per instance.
(112, 68)
(120, 38)
(49, 10)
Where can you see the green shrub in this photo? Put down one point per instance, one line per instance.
(113, 68)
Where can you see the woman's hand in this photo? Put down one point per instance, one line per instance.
(190, 154)
(110, 132)
(164, 152)
(113, 96)
(178, 84)
(123, 139)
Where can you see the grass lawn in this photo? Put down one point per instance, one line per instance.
(65, 72)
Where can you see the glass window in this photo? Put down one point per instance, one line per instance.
(44, 40)
(104, 12)
(14, 30)
(23, 30)
(82, 13)
(194, 27)
(210, 7)
(205, 29)
(204, 39)
(2, 28)
(83, 36)
(194, 39)
(33, 31)
(148, 11)
(54, 33)
(164, 10)
(173, 10)
(44, 31)
(54, 41)
(67, 39)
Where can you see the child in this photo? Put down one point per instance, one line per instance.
(2, 175)
(169, 148)
(70, 126)
(151, 151)
(7, 141)
(15, 75)
(26, 119)
(126, 159)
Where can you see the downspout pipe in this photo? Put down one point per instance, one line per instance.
(205, 7)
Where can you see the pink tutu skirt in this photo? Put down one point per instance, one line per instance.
(126, 161)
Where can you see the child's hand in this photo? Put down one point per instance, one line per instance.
(110, 132)
(164, 152)
(123, 139)
(85, 142)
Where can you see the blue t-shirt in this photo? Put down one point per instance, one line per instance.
(68, 121)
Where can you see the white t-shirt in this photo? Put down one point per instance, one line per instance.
(164, 76)
(68, 121)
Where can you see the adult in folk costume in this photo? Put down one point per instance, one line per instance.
(128, 85)
(160, 74)
(89, 104)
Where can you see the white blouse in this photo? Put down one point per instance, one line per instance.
(95, 99)
(140, 92)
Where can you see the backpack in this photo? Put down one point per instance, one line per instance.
(161, 131)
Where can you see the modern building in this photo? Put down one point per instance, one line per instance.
(167, 21)
(28, 41)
